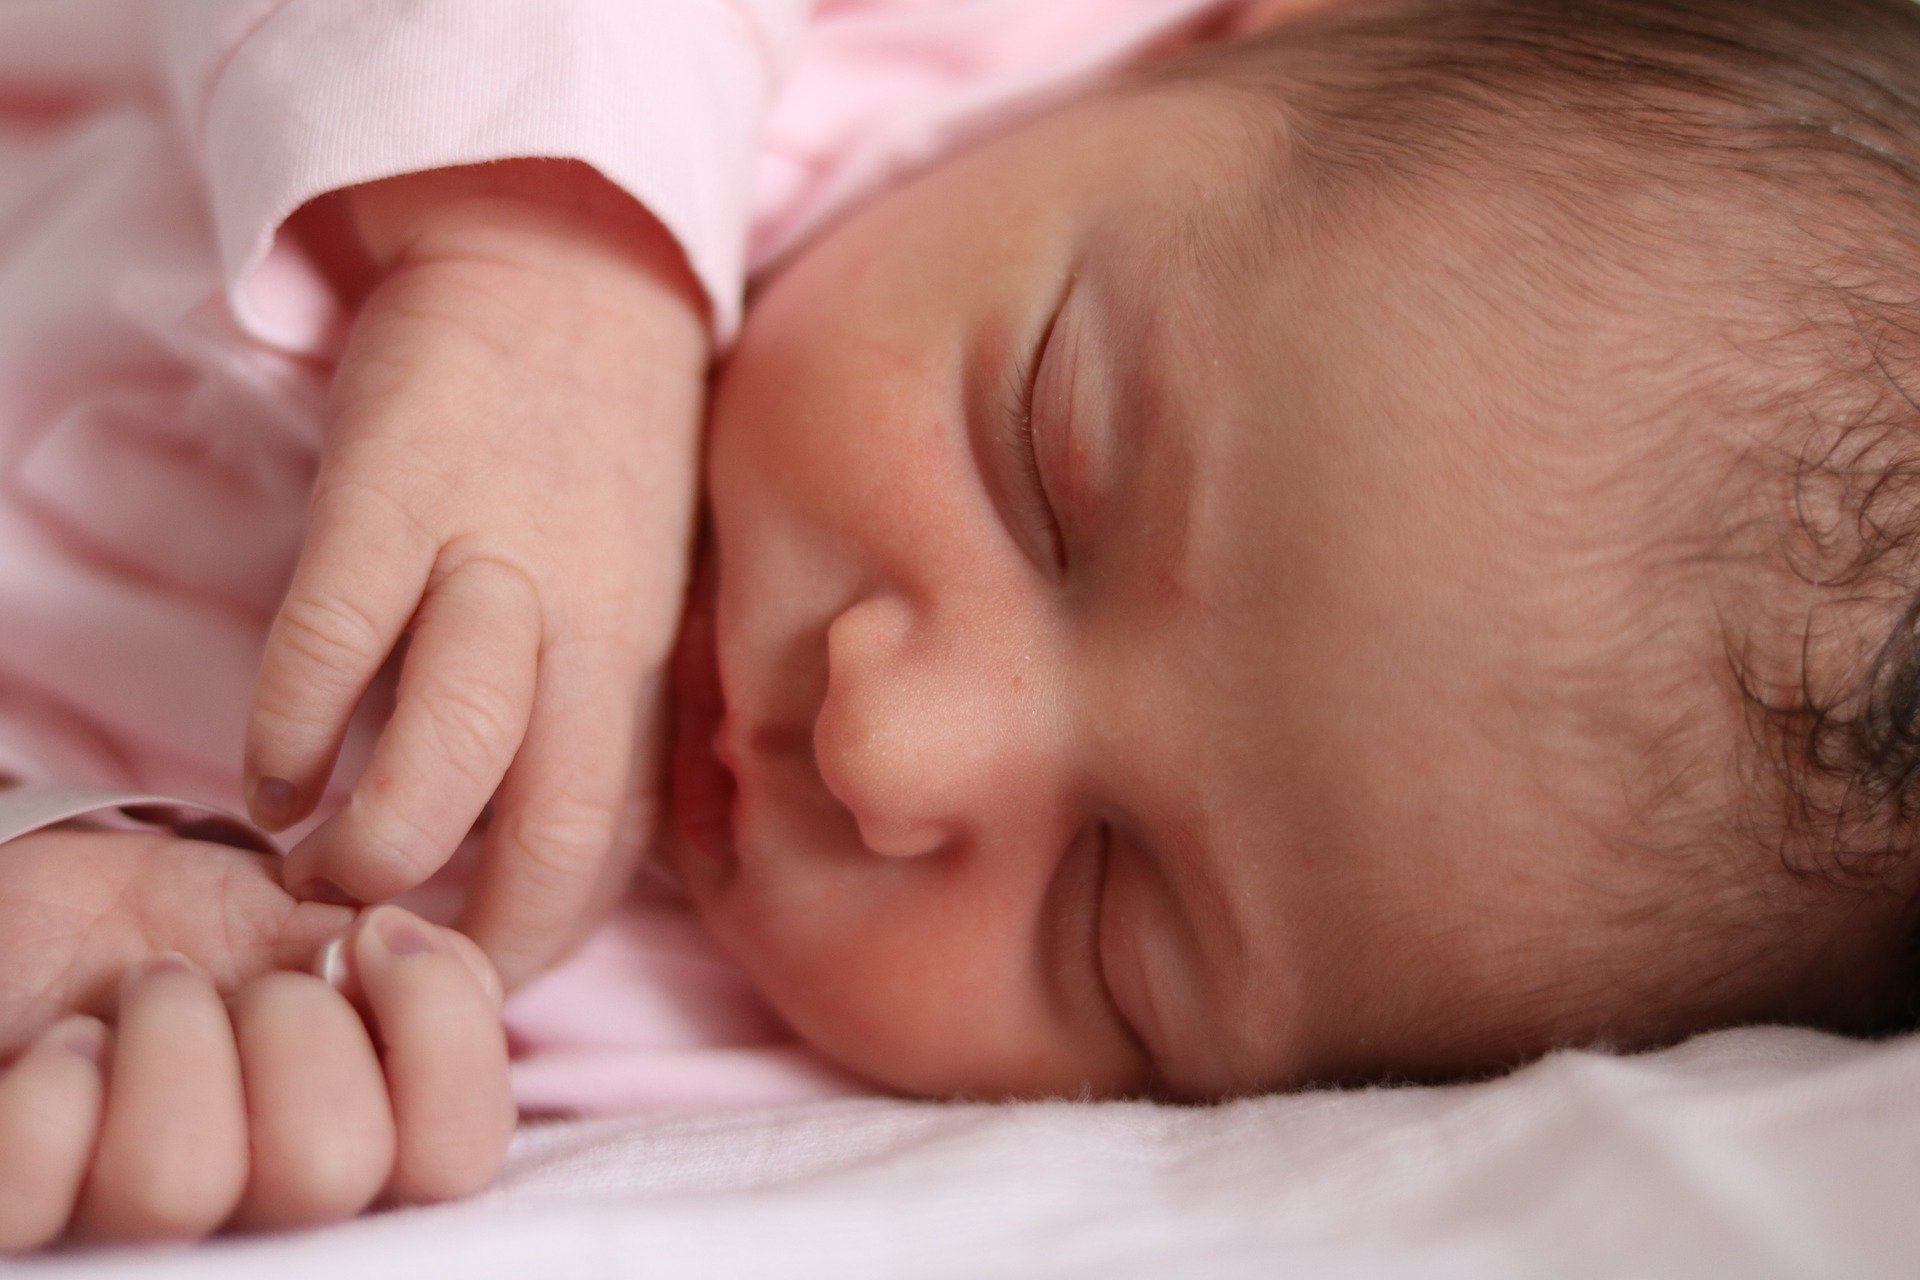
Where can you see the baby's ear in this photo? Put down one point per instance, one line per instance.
(1258, 15)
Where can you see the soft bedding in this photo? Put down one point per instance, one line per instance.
(1752, 1153)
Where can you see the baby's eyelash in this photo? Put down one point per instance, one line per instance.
(1103, 837)
(1023, 379)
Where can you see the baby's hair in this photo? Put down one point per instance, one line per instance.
(1775, 145)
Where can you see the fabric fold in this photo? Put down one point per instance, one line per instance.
(667, 101)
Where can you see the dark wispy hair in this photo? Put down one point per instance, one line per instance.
(1806, 115)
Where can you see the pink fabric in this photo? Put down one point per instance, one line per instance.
(164, 350)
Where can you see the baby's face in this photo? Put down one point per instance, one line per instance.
(1196, 745)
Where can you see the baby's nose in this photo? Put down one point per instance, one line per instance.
(911, 738)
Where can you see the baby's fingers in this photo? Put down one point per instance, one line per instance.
(322, 1132)
(435, 1004)
(357, 585)
(172, 1158)
(50, 1103)
(460, 711)
(563, 819)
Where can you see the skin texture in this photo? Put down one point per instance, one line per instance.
(78, 909)
(217, 1085)
(529, 331)
(1239, 736)
(492, 364)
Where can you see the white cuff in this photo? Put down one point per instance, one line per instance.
(26, 809)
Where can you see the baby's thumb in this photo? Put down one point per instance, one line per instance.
(335, 961)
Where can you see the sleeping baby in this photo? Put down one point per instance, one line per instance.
(1374, 544)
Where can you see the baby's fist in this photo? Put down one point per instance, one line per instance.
(291, 1103)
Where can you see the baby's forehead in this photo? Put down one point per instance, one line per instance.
(1417, 542)
(1467, 430)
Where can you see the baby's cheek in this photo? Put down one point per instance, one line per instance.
(925, 1009)
(889, 1011)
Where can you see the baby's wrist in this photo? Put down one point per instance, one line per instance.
(556, 218)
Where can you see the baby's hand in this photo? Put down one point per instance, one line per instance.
(283, 1106)
(508, 476)
(79, 908)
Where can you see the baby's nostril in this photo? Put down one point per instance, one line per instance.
(869, 741)
(775, 742)
(855, 770)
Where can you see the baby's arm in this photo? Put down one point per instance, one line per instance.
(508, 476)
(273, 1108)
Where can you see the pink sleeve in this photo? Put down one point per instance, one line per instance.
(288, 99)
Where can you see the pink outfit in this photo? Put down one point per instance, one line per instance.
(164, 352)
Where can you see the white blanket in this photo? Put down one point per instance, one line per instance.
(1751, 1153)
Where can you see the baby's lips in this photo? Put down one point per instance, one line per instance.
(400, 933)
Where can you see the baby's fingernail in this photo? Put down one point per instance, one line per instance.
(272, 803)
(479, 966)
(401, 934)
(165, 962)
(84, 1036)
(168, 962)
(330, 966)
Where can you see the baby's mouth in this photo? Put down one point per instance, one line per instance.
(703, 787)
